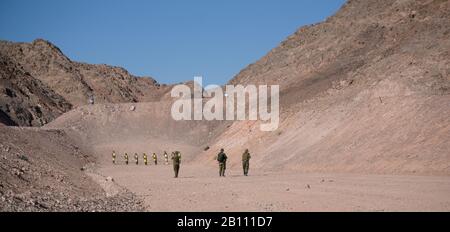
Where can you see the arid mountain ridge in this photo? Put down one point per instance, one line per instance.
(352, 47)
(30, 69)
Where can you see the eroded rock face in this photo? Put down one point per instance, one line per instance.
(25, 100)
(364, 42)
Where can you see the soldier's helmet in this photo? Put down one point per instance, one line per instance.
(246, 150)
(221, 149)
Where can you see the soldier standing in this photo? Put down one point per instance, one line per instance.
(126, 158)
(246, 161)
(222, 158)
(114, 157)
(166, 157)
(176, 160)
(136, 158)
(155, 159)
(145, 159)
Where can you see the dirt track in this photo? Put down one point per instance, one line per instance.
(199, 188)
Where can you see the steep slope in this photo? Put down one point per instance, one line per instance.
(365, 91)
(25, 100)
(402, 36)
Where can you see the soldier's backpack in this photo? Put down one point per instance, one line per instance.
(221, 157)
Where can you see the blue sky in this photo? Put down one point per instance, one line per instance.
(169, 40)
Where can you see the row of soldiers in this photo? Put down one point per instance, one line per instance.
(176, 160)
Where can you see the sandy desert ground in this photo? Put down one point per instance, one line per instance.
(199, 188)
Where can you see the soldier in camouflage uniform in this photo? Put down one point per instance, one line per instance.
(176, 160)
(222, 159)
(136, 158)
(246, 161)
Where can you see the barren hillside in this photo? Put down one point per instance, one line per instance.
(25, 100)
(366, 91)
(75, 82)
(45, 170)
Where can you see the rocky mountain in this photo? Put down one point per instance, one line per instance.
(363, 43)
(73, 82)
(25, 100)
(367, 90)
